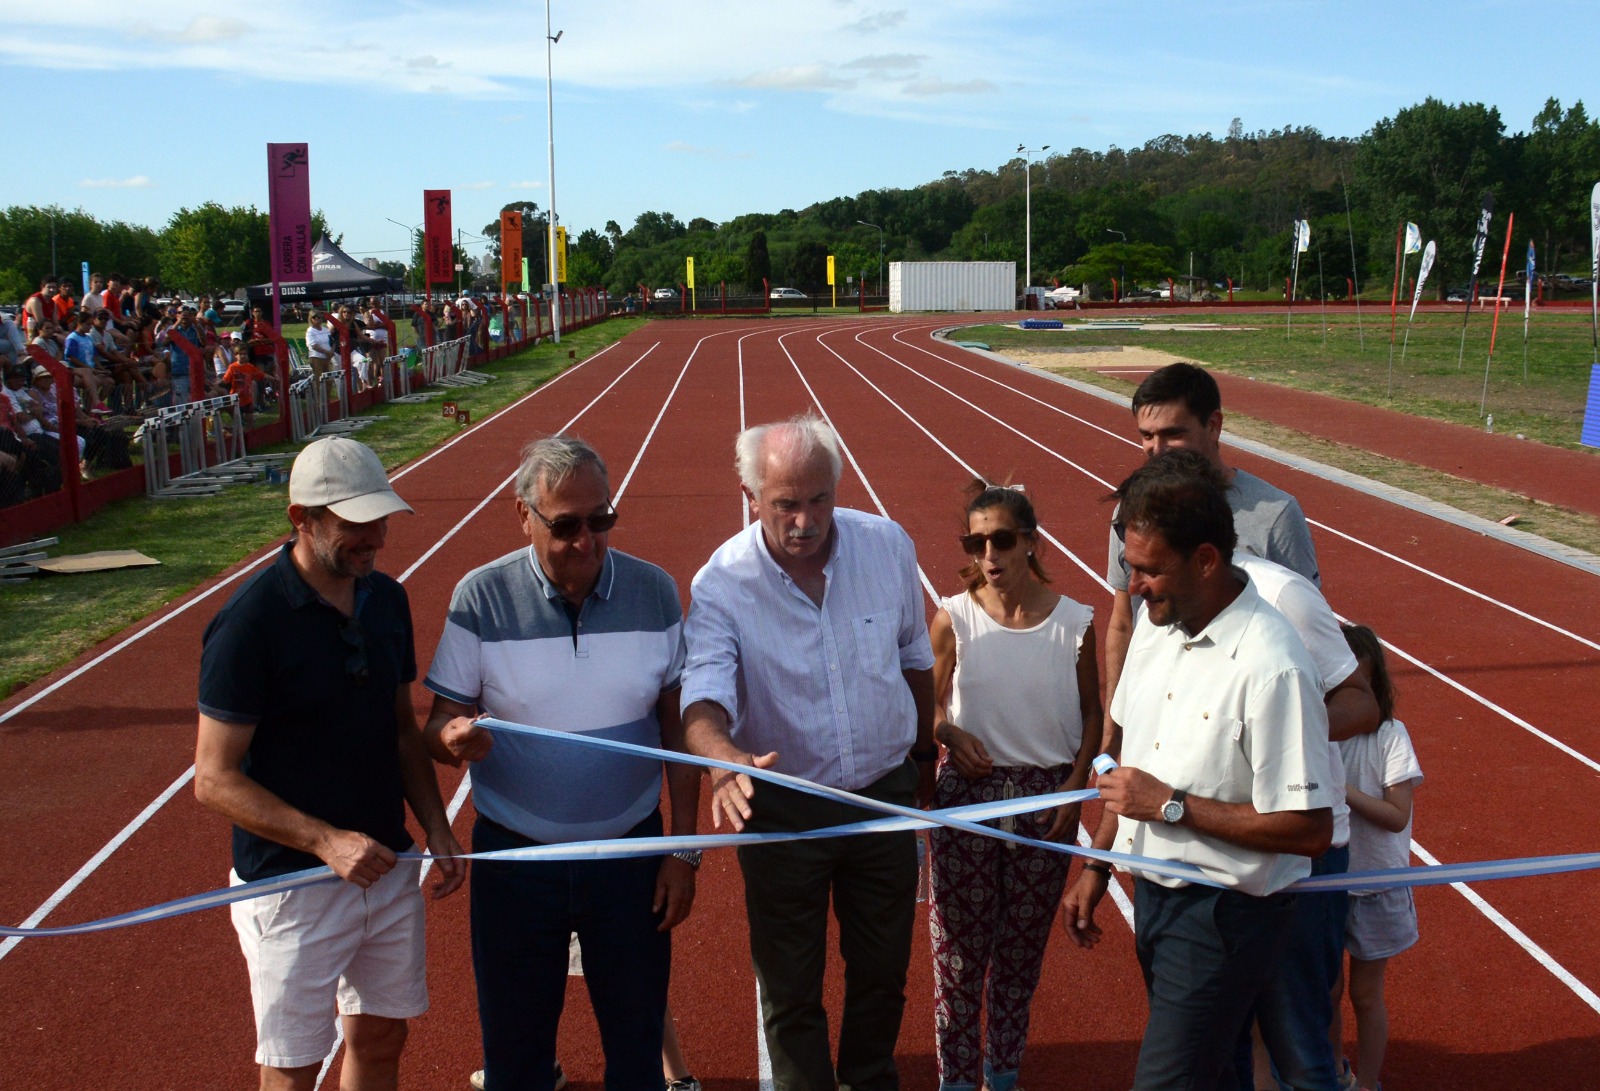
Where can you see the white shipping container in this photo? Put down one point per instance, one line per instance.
(952, 286)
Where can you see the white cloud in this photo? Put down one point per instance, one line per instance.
(805, 77)
(478, 185)
(425, 61)
(935, 86)
(883, 20)
(681, 147)
(885, 64)
(525, 185)
(138, 181)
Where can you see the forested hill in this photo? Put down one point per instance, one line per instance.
(1226, 204)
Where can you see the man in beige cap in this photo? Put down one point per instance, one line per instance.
(309, 743)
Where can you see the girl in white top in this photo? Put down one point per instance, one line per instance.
(1381, 772)
(319, 343)
(1018, 712)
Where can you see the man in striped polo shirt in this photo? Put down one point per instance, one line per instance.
(571, 635)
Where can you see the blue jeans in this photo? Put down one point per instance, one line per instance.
(1295, 1010)
(522, 916)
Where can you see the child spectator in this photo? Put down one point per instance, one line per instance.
(1381, 772)
(87, 375)
(241, 378)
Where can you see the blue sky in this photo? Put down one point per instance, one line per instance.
(712, 108)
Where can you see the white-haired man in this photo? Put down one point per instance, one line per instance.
(808, 646)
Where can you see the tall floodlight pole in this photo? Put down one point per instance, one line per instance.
(1027, 185)
(550, 120)
(411, 237)
(864, 223)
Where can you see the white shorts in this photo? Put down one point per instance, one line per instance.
(332, 943)
(1381, 924)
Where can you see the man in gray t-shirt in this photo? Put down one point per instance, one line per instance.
(1180, 406)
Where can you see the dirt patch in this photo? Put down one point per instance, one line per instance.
(1083, 357)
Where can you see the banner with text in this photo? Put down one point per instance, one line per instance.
(437, 242)
(289, 211)
(510, 249)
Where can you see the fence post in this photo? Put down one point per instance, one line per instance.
(66, 428)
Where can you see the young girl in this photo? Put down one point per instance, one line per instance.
(1381, 772)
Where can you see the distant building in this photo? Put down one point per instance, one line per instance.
(370, 263)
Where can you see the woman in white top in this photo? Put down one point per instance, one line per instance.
(1019, 714)
(319, 343)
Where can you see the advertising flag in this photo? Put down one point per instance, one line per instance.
(689, 270)
(527, 285)
(438, 251)
(510, 248)
(1422, 278)
(1482, 237)
(1530, 274)
(830, 269)
(289, 211)
(1413, 238)
(1302, 235)
(561, 255)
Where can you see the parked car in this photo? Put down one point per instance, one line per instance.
(664, 293)
(787, 293)
(231, 310)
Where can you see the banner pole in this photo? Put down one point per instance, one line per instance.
(1527, 306)
(1355, 275)
(1483, 402)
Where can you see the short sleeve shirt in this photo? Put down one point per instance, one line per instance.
(1233, 713)
(321, 698)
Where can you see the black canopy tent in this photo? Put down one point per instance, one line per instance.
(334, 275)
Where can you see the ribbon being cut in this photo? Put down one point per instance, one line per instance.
(895, 818)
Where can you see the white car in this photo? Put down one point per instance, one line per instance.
(664, 293)
(787, 293)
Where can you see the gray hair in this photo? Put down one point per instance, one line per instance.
(551, 461)
(795, 441)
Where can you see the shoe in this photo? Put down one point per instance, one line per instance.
(476, 1079)
(688, 1083)
(1347, 1078)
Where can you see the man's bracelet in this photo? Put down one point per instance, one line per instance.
(690, 857)
(1103, 869)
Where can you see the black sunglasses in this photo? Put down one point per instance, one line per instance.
(355, 668)
(973, 544)
(566, 527)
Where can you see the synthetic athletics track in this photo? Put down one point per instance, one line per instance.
(1494, 648)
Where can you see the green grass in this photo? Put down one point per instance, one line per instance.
(52, 619)
(1547, 406)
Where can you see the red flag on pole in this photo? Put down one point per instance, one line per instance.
(437, 239)
(510, 251)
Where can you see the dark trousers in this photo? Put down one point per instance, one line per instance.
(522, 916)
(872, 881)
(1206, 955)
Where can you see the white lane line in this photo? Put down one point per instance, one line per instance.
(622, 488)
(744, 508)
(1494, 916)
(1521, 938)
(1492, 706)
(1585, 641)
(764, 1080)
(83, 873)
(272, 551)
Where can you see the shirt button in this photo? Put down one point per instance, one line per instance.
(1205, 715)
(1169, 696)
(1158, 744)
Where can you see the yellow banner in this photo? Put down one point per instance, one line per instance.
(561, 255)
(690, 264)
(830, 268)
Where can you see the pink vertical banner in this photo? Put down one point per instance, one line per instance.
(288, 216)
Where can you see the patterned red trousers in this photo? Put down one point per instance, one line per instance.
(991, 904)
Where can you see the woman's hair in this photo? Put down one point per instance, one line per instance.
(1366, 645)
(981, 496)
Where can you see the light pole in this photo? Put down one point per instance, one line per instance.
(550, 122)
(864, 223)
(411, 237)
(1027, 185)
(1123, 266)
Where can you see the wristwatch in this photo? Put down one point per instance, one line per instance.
(690, 857)
(1172, 809)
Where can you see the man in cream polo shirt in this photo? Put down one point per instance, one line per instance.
(1224, 741)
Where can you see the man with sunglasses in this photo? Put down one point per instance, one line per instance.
(809, 653)
(308, 742)
(571, 635)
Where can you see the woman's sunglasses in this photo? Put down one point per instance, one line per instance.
(973, 544)
(566, 527)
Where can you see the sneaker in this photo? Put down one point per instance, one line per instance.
(476, 1079)
(1347, 1078)
(688, 1083)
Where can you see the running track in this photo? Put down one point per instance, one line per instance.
(1495, 656)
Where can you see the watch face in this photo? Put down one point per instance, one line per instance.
(1172, 810)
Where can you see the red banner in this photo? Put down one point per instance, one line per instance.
(511, 251)
(437, 243)
(289, 211)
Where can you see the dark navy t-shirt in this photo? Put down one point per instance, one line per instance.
(281, 658)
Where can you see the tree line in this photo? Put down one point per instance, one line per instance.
(1223, 207)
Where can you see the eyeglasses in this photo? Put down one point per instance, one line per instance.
(355, 668)
(565, 527)
(973, 544)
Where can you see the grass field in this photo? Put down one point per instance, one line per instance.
(52, 619)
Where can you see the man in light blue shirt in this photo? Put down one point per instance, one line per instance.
(808, 646)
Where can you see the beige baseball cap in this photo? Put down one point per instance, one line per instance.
(345, 477)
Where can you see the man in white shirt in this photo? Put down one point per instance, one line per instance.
(808, 646)
(1225, 768)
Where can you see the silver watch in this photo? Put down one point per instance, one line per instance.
(1172, 809)
(690, 857)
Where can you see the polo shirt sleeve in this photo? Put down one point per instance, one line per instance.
(457, 670)
(916, 651)
(1288, 735)
(672, 612)
(1289, 542)
(711, 647)
(1116, 562)
(235, 674)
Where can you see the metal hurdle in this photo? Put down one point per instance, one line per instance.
(210, 449)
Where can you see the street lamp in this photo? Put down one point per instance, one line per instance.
(1027, 180)
(413, 230)
(864, 223)
(550, 122)
(1123, 266)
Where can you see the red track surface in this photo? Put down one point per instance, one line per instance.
(166, 1005)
